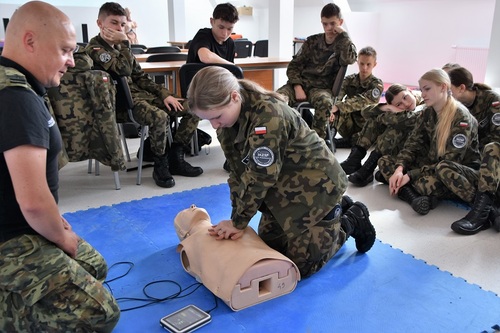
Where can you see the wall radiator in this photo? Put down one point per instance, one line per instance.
(474, 59)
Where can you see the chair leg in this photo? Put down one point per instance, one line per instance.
(117, 180)
(124, 142)
(144, 134)
(89, 168)
(97, 170)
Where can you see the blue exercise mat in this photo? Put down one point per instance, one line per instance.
(383, 290)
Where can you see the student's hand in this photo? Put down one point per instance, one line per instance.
(172, 102)
(333, 112)
(338, 29)
(390, 108)
(397, 180)
(300, 94)
(225, 230)
(113, 36)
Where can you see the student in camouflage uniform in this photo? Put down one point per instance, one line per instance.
(387, 127)
(312, 71)
(359, 92)
(51, 279)
(446, 145)
(153, 104)
(484, 104)
(280, 167)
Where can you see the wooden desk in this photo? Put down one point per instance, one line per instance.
(182, 45)
(257, 69)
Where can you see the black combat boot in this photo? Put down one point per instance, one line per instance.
(494, 217)
(178, 166)
(161, 173)
(346, 203)
(477, 218)
(353, 161)
(380, 178)
(364, 175)
(355, 223)
(342, 143)
(422, 204)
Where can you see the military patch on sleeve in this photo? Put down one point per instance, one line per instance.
(263, 156)
(105, 57)
(496, 119)
(495, 104)
(376, 93)
(459, 141)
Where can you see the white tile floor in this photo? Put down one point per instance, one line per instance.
(429, 238)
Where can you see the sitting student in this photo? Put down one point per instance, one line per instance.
(398, 98)
(359, 91)
(484, 104)
(51, 279)
(446, 143)
(153, 104)
(213, 46)
(388, 131)
(312, 71)
(280, 167)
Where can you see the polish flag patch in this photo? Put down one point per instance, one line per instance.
(464, 124)
(495, 104)
(105, 79)
(261, 130)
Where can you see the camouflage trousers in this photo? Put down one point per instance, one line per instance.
(151, 111)
(489, 171)
(350, 124)
(391, 141)
(368, 135)
(44, 290)
(445, 180)
(320, 99)
(311, 250)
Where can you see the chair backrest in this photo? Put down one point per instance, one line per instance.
(163, 49)
(260, 48)
(337, 84)
(242, 48)
(139, 46)
(167, 57)
(187, 72)
(137, 50)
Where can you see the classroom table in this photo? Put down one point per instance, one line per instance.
(258, 69)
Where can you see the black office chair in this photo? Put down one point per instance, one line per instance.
(139, 46)
(163, 49)
(260, 48)
(242, 48)
(124, 114)
(337, 85)
(137, 50)
(186, 74)
(158, 57)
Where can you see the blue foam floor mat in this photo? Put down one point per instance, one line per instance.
(384, 290)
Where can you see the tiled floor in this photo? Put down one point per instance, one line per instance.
(474, 258)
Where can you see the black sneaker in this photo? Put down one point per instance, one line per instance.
(380, 178)
(363, 230)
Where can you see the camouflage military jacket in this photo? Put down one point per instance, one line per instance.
(462, 146)
(120, 61)
(486, 109)
(402, 121)
(317, 63)
(279, 163)
(84, 108)
(356, 95)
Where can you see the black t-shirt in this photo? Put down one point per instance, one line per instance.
(24, 120)
(205, 38)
